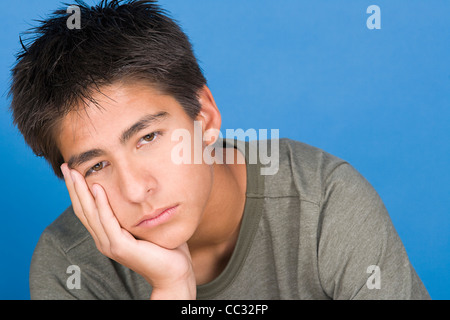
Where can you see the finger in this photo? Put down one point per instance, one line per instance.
(106, 215)
(120, 240)
(72, 194)
(89, 209)
(76, 205)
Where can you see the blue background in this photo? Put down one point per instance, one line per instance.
(312, 69)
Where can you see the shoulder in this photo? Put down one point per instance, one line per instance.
(66, 231)
(338, 190)
(302, 170)
(66, 243)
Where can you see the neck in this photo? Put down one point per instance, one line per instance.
(215, 238)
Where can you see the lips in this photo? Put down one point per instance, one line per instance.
(157, 216)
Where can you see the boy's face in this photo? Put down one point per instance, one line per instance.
(124, 144)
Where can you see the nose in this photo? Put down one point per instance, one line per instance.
(136, 183)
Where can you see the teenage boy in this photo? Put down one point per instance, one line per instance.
(103, 104)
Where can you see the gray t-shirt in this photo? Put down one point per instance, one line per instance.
(314, 230)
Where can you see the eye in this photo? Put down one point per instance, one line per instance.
(97, 167)
(148, 138)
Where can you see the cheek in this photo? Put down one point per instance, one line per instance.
(191, 184)
(192, 180)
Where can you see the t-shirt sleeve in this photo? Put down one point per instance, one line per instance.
(360, 255)
(45, 283)
(54, 276)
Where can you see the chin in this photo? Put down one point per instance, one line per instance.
(167, 240)
(172, 234)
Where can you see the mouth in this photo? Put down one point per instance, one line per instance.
(157, 217)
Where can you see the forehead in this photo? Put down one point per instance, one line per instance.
(116, 108)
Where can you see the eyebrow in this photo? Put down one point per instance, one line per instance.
(81, 158)
(144, 122)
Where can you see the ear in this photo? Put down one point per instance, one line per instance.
(209, 115)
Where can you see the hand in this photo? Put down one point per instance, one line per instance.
(169, 272)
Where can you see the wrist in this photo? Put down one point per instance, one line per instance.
(181, 290)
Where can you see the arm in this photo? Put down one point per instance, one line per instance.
(169, 272)
(360, 254)
(48, 271)
(65, 245)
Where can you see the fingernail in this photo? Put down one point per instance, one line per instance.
(94, 190)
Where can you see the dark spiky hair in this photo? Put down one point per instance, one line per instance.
(60, 67)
